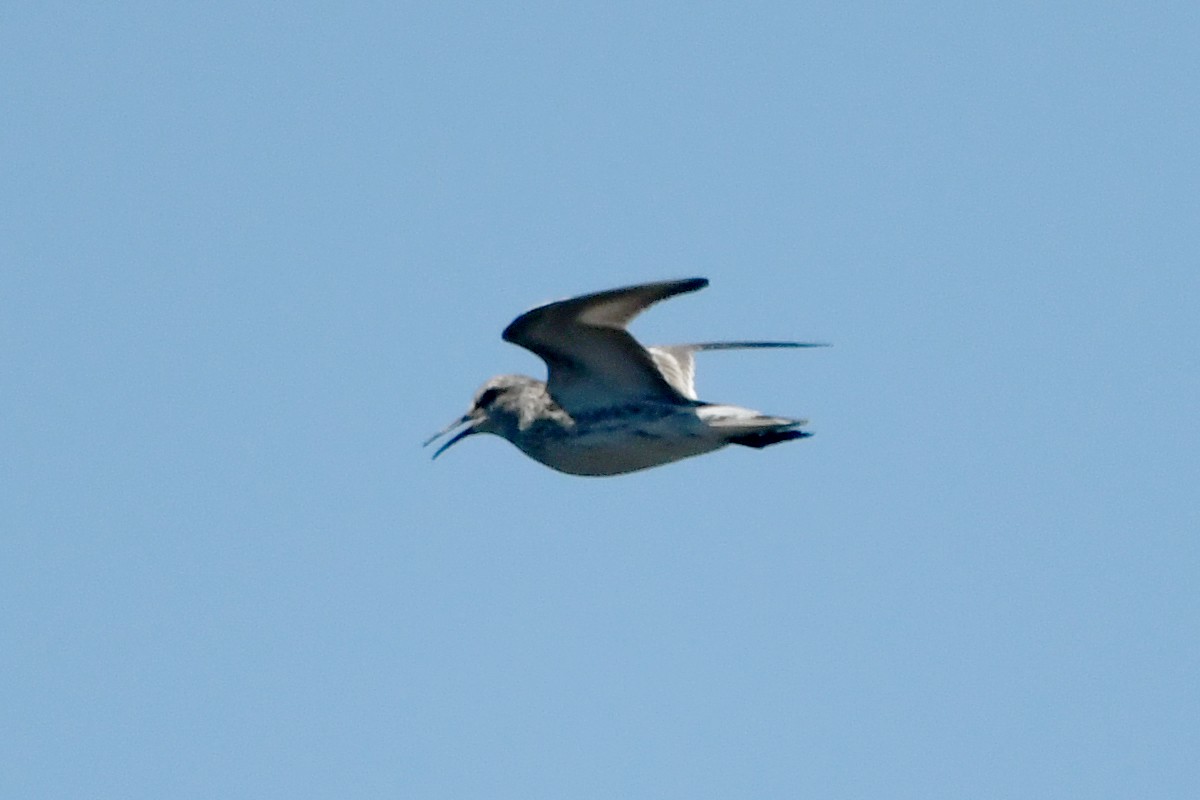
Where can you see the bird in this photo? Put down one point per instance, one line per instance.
(609, 405)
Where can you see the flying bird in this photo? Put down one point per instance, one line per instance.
(609, 405)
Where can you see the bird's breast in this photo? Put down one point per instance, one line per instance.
(616, 443)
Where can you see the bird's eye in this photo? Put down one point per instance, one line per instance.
(488, 397)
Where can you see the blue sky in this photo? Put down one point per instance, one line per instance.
(254, 255)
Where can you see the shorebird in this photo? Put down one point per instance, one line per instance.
(609, 405)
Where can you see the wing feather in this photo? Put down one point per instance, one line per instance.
(678, 366)
(592, 360)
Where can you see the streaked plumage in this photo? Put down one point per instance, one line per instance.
(609, 405)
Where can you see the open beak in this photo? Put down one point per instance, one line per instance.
(467, 420)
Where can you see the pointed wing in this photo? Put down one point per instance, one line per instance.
(678, 367)
(593, 361)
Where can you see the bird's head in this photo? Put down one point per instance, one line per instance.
(496, 408)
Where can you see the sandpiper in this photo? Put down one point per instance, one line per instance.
(609, 405)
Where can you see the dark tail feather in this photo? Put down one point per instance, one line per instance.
(767, 438)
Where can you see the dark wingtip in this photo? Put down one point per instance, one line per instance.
(768, 438)
(663, 289)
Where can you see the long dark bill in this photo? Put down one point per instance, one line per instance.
(466, 419)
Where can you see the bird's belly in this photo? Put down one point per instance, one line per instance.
(614, 451)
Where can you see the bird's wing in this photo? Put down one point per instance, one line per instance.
(593, 361)
(678, 367)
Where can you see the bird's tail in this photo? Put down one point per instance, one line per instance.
(750, 428)
(763, 439)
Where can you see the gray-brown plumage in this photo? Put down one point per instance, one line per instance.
(610, 405)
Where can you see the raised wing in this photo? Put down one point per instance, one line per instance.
(678, 367)
(593, 362)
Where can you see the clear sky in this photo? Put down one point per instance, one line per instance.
(251, 255)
